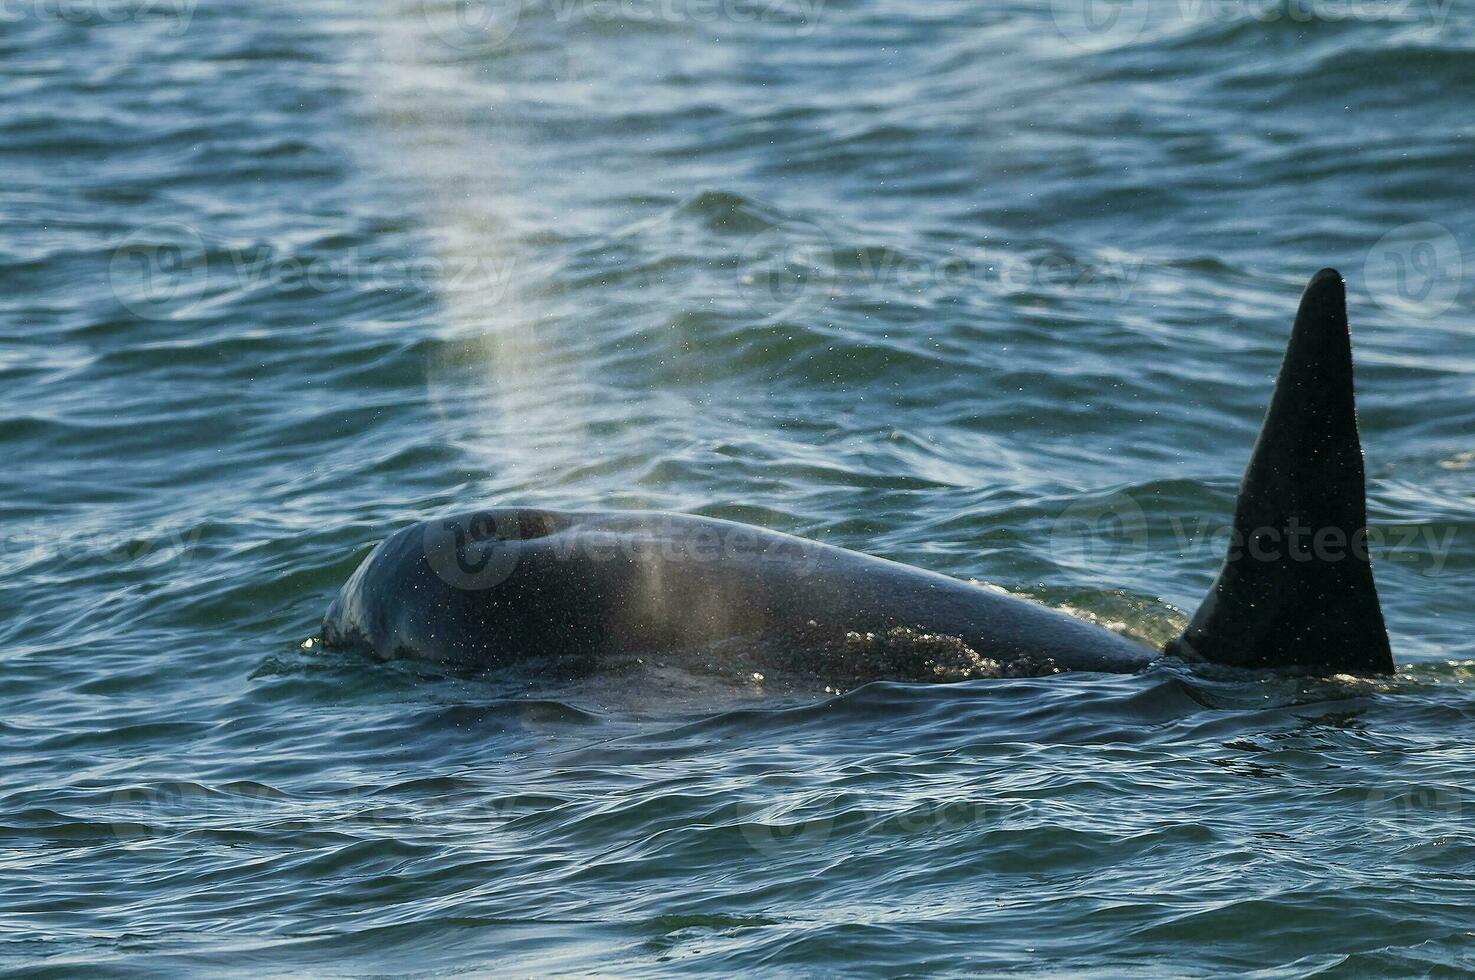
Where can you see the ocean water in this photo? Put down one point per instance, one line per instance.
(995, 289)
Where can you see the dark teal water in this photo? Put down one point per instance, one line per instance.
(975, 287)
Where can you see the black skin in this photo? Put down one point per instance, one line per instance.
(582, 589)
(494, 587)
(1299, 590)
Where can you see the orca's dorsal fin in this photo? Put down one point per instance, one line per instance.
(1296, 589)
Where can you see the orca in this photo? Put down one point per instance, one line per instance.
(577, 590)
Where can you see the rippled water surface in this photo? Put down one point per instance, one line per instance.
(987, 288)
